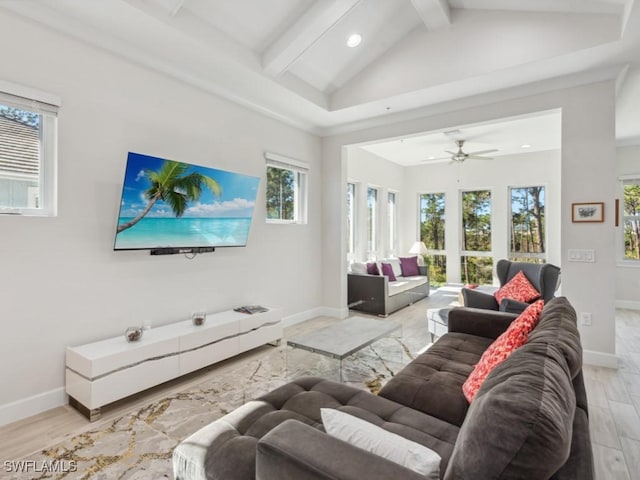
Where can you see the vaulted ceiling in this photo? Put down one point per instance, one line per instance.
(288, 58)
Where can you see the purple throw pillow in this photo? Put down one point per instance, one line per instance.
(387, 271)
(372, 268)
(409, 266)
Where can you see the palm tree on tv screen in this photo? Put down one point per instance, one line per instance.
(175, 187)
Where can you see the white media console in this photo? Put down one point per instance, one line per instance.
(102, 372)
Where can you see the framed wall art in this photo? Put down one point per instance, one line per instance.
(591, 212)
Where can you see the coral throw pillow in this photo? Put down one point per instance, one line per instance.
(515, 336)
(387, 270)
(519, 288)
(372, 268)
(409, 266)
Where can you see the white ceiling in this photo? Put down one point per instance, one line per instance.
(288, 59)
(511, 136)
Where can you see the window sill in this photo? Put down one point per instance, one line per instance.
(628, 263)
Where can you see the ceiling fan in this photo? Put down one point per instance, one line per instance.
(460, 156)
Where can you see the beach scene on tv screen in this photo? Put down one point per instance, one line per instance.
(168, 203)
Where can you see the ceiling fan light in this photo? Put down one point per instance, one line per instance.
(354, 40)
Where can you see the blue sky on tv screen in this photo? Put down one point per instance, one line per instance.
(237, 198)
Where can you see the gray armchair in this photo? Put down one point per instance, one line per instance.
(544, 277)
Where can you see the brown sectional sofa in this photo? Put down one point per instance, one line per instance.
(528, 420)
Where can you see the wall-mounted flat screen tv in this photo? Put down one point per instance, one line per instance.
(168, 204)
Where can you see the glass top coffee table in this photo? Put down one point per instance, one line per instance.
(345, 338)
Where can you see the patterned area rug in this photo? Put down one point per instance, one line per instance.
(139, 444)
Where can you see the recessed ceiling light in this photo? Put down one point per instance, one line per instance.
(354, 40)
(526, 145)
(432, 158)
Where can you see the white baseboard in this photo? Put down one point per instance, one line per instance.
(313, 313)
(26, 407)
(599, 359)
(628, 304)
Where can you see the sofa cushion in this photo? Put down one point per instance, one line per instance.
(402, 284)
(518, 288)
(228, 445)
(409, 266)
(432, 383)
(520, 423)
(387, 271)
(374, 439)
(514, 337)
(558, 326)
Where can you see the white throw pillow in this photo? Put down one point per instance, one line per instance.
(357, 267)
(395, 265)
(379, 441)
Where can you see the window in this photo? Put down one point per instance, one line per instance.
(392, 215)
(631, 218)
(476, 262)
(28, 133)
(351, 217)
(372, 219)
(527, 225)
(432, 222)
(286, 189)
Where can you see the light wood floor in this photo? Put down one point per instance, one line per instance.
(614, 402)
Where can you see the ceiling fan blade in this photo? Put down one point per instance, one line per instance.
(476, 157)
(482, 152)
(450, 152)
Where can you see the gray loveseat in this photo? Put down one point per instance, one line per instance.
(528, 420)
(376, 294)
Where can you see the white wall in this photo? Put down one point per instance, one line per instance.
(587, 174)
(368, 170)
(61, 282)
(627, 273)
(523, 170)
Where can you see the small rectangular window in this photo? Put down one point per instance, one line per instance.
(392, 217)
(351, 216)
(28, 134)
(372, 219)
(476, 261)
(432, 227)
(527, 226)
(631, 218)
(286, 190)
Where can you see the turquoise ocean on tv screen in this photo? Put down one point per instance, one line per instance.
(183, 232)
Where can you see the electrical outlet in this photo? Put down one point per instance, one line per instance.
(585, 319)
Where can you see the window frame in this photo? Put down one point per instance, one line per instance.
(373, 220)
(623, 180)
(511, 254)
(351, 212)
(475, 253)
(392, 222)
(47, 106)
(300, 187)
(432, 251)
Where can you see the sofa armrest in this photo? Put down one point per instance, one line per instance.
(476, 299)
(513, 306)
(365, 288)
(295, 450)
(476, 321)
